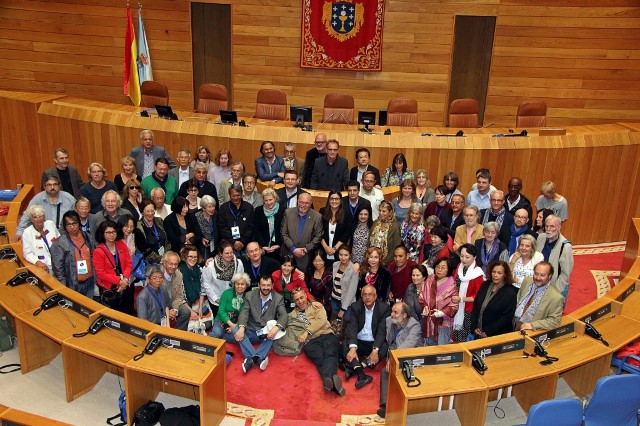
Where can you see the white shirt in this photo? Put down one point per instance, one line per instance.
(163, 212)
(34, 247)
(375, 197)
(183, 176)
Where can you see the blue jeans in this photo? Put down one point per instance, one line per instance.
(444, 335)
(335, 308)
(246, 344)
(218, 332)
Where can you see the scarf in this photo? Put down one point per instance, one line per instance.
(224, 272)
(270, 214)
(488, 256)
(431, 260)
(379, 236)
(499, 217)
(464, 276)
(515, 237)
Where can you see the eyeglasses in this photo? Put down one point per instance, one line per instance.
(192, 190)
(49, 185)
(110, 232)
(134, 187)
(521, 217)
(68, 224)
(497, 201)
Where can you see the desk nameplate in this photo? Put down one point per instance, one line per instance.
(424, 360)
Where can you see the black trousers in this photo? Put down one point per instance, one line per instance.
(323, 351)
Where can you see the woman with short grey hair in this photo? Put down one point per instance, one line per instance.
(207, 218)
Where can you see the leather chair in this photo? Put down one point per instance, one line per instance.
(463, 113)
(271, 104)
(338, 108)
(402, 112)
(532, 114)
(153, 93)
(212, 98)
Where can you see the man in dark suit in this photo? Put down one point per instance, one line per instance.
(301, 231)
(363, 158)
(516, 199)
(452, 218)
(353, 201)
(365, 336)
(200, 179)
(331, 172)
(320, 150)
(288, 196)
(260, 306)
(498, 213)
(184, 171)
(257, 265)
(147, 153)
(235, 220)
(68, 175)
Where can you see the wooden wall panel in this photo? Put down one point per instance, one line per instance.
(582, 58)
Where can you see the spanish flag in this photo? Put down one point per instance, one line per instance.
(131, 81)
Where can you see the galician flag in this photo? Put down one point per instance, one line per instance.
(131, 82)
(144, 59)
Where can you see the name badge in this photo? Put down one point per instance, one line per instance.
(161, 251)
(293, 305)
(82, 267)
(164, 321)
(235, 232)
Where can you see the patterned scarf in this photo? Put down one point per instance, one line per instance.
(499, 217)
(270, 214)
(488, 255)
(464, 276)
(224, 272)
(433, 253)
(379, 233)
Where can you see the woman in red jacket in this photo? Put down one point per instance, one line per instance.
(112, 263)
(468, 277)
(286, 279)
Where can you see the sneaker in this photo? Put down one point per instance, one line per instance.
(337, 385)
(363, 381)
(382, 411)
(264, 363)
(328, 384)
(247, 364)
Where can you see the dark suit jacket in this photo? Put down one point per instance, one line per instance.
(267, 267)
(74, 175)
(282, 196)
(382, 284)
(505, 231)
(261, 227)
(524, 203)
(309, 161)
(381, 311)
(330, 177)
(310, 238)
(226, 221)
(347, 207)
(157, 151)
(353, 173)
(254, 318)
(207, 188)
(497, 317)
(343, 233)
(447, 217)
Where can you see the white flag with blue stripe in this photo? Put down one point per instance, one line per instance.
(144, 59)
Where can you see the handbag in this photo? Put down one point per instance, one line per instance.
(148, 414)
(139, 266)
(110, 298)
(7, 335)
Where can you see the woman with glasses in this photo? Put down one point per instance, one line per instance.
(193, 201)
(424, 192)
(398, 172)
(128, 167)
(336, 226)
(231, 304)
(132, 197)
(113, 265)
(71, 256)
(192, 279)
(151, 239)
(451, 182)
(38, 238)
(207, 218)
(216, 276)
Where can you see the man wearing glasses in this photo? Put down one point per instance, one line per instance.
(499, 214)
(55, 202)
(112, 210)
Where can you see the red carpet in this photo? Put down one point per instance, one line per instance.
(294, 390)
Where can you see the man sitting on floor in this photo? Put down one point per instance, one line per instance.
(319, 343)
(365, 335)
(260, 305)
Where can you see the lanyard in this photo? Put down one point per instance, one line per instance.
(77, 248)
(256, 271)
(353, 210)
(159, 300)
(116, 259)
(235, 215)
(44, 240)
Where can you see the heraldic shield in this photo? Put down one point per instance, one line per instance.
(342, 19)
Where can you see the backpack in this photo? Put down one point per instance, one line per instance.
(122, 404)
(288, 344)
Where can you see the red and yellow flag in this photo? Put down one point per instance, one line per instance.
(131, 81)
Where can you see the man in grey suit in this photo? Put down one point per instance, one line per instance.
(147, 153)
(68, 175)
(260, 305)
(540, 304)
(184, 171)
(403, 332)
(301, 230)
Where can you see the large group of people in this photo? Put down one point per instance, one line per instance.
(429, 267)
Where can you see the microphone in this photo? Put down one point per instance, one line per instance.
(328, 118)
(480, 128)
(344, 118)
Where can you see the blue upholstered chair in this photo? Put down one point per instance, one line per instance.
(623, 364)
(615, 401)
(556, 412)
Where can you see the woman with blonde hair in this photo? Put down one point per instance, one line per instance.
(404, 200)
(385, 232)
(412, 231)
(132, 197)
(524, 259)
(424, 193)
(128, 167)
(267, 220)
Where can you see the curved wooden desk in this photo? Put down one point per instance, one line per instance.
(587, 162)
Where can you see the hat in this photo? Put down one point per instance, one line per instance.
(270, 324)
